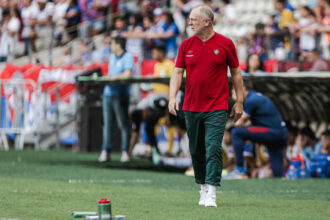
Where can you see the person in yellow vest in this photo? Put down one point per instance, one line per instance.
(284, 19)
(163, 68)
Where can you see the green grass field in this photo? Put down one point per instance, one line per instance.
(50, 185)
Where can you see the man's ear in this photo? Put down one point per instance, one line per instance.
(209, 22)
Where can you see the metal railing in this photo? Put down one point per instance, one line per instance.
(15, 106)
(29, 116)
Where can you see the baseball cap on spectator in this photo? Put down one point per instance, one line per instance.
(158, 12)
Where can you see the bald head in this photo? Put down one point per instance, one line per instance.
(206, 12)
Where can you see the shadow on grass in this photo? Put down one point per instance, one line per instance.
(141, 165)
(145, 165)
(66, 158)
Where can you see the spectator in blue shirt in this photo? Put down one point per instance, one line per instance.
(170, 37)
(267, 127)
(305, 142)
(168, 34)
(289, 6)
(73, 19)
(323, 146)
(116, 100)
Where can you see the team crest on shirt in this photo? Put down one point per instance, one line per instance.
(216, 51)
(190, 54)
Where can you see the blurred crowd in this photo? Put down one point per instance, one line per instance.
(42, 24)
(290, 33)
(27, 26)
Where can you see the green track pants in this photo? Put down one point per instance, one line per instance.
(205, 132)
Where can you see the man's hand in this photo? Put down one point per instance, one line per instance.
(173, 106)
(237, 111)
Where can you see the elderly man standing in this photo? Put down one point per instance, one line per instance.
(206, 57)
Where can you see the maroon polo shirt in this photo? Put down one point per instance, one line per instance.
(206, 65)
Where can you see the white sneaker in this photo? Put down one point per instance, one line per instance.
(210, 200)
(203, 193)
(124, 157)
(104, 157)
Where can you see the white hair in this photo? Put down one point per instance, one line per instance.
(206, 12)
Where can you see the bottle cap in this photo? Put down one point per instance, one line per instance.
(104, 200)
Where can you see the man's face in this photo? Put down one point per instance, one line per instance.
(279, 6)
(146, 23)
(196, 21)
(325, 141)
(158, 18)
(41, 5)
(311, 57)
(113, 46)
(303, 12)
(155, 54)
(254, 61)
(119, 23)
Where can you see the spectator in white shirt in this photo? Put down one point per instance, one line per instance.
(44, 23)
(29, 16)
(308, 27)
(229, 13)
(9, 30)
(60, 9)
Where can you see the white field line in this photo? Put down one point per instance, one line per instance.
(264, 192)
(1, 218)
(115, 181)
